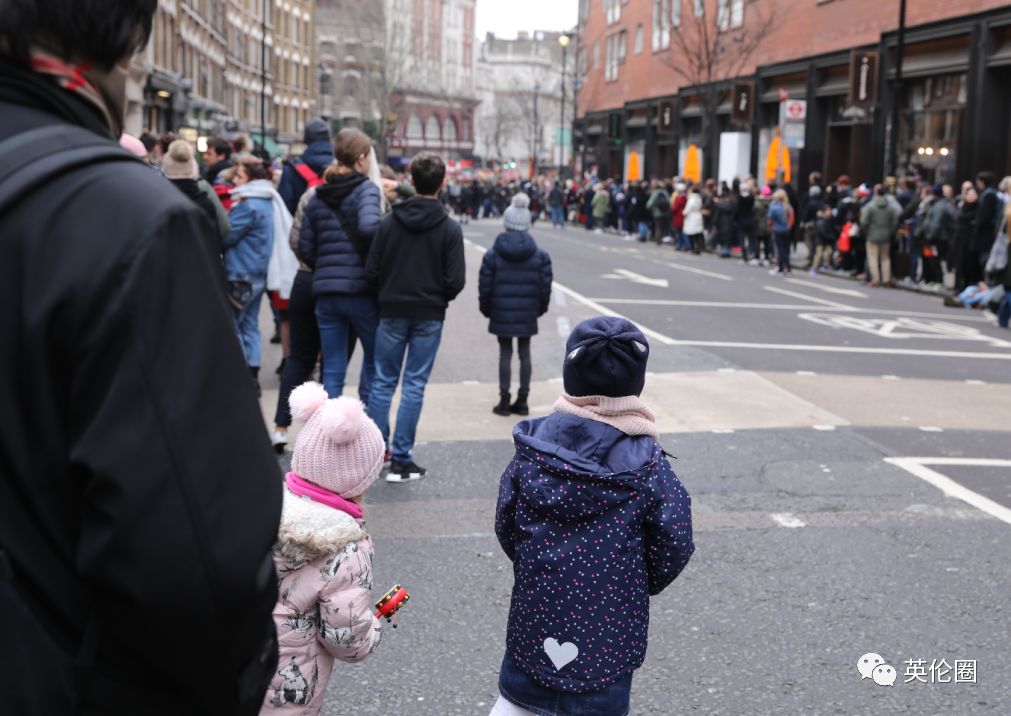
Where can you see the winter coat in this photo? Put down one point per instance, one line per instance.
(211, 172)
(637, 203)
(317, 156)
(595, 522)
(678, 211)
(601, 204)
(416, 263)
(779, 217)
(725, 222)
(657, 208)
(556, 198)
(938, 224)
(878, 221)
(824, 231)
(744, 213)
(349, 204)
(514, 286)
(323, 559)
(761, 210)
(202, 194)
(693, 215)
(964, 231)
(139, 495)
(250, 240)
(988, 218)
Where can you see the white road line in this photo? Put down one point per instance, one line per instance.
(470, 382)
(918, 466)
(824, 428)
(723, 431)
(560, 299)
(787, 519)
(931, 429)
(794, 294)
(890, 377)
(828, 289)
(806, 372)
(473, 245)
(975, 382)
(564, 326)
(841, 349)
(593, 305)
(640, 279)
(787, 307)
(700, 272)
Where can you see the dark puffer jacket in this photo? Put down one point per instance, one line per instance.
(348, 203)
(595, 522)
(514, 287)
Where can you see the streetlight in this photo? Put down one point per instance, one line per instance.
(564, 39)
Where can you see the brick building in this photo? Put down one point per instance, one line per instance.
(839, 56)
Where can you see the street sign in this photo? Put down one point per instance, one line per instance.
(792, 120)
(666, 117)
(796, 110)
(863, 78)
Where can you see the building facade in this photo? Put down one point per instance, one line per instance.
(295, 98)
(834, 63)
(519, 118)
(350, 53)
(430, 62)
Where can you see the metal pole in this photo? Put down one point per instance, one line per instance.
(893, 144)
(561, 122)
(263, 75)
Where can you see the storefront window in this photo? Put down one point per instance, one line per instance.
(929, 127)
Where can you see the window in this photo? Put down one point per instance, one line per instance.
(723, 14)
(432, 133)
(637, 48)
(661, 24)
(449, 129)
(596, 55)
(414, 128)
(700, 8)
(612, 8)
(622, 47)
(611, 58)
(675, 12)
(736, 13)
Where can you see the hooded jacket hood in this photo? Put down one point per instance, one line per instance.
(515, 246)
(309, 530)
(585, 467)
(334, 192)
(419, 214)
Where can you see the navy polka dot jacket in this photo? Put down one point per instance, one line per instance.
(595, 521)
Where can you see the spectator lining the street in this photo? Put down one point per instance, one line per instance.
(416, 265)
(878, 222)
(306, 171)
(180, 168)
(217, 157)
(338, 229)
(588, 503)
(780, 221)
(514, 290)
(323, 554)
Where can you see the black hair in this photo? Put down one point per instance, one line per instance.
(103, 31)
(987, 178)
(428, 171)
(221, 146)
(149, 141)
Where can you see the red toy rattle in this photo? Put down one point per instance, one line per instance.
(391, 603)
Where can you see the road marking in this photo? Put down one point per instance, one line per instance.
(975, 382)
(976, 355)
(726, 370)
(470, 382)
(700, 272)
(828, 289)
(890, 377)
(643, 280)
(602, 310)
(902, 328)
(473, 245)
(723, 431)
(564, 326)
(806, 372)
(931, 429)
(794, 294)
(785, 307)
(824, 428)
(788, 519)
(918, 466)
(560, 299)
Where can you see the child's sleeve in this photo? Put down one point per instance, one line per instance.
(669, 543)
(505, 511)
(348, 629)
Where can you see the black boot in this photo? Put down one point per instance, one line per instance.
(520, 407)
(503, 405)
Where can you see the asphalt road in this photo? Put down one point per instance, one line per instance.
(808, 420)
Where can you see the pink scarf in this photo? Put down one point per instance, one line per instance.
(628, 414)
(301, 488)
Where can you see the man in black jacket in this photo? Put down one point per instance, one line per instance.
(416, 264)
(139, 498)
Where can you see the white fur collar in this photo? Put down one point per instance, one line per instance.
(310, 530)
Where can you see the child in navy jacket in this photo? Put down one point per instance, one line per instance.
(595, 522)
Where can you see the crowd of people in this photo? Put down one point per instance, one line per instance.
(933, 236)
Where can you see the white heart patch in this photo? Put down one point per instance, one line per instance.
(560, 654)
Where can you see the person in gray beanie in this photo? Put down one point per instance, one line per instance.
(514, 289)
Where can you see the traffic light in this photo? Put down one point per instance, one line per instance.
(614, 126)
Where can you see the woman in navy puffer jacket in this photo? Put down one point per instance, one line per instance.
(338, 226)
(514, 289)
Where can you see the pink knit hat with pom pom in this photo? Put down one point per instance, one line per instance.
(339, 448)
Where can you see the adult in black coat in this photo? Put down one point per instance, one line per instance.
(514, 289)
(318, 155)
(139, 497)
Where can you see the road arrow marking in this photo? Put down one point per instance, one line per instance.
(828, 289)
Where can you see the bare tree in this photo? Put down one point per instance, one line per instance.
(707, 49)
(498, 125)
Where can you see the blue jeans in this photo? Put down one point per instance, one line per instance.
(558, 216)
(247, 326)
(520, 689)
(1004, 310)
(335, 314)
(419, 339)
(643, 228)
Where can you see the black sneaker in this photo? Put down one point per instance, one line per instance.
(404, 472)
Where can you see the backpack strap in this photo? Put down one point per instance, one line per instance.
(312, 179)
(32, 158)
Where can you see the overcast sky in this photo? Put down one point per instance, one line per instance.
(507, 17)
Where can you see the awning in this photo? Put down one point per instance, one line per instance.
(936, 63)
(833, 87)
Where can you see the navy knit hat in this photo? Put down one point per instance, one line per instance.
(605, 356)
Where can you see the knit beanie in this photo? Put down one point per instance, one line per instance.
(605, 356)
(339, 448)
(179, 163)
(517, 216)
